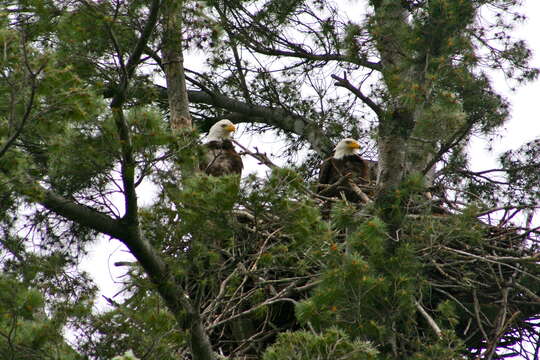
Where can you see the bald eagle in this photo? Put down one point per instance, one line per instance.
(221, 158)
(345, 161)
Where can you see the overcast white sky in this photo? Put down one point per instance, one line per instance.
(524, 126)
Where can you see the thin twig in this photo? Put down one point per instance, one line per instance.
(345, 83)
(429, 319)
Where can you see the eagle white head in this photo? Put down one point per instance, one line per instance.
(221, 130)
(346, 147)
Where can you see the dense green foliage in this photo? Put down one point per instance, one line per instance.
(440, 262)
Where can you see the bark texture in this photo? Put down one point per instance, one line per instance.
(173, 65)
(398, 155)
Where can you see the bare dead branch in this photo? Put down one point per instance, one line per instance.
(429, 319)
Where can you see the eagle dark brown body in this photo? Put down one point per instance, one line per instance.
(334, 170)
(221, 159)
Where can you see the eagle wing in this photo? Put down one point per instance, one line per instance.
(221, 159)
(325, 173)
(329, 173)
(332, 170)
(360, 168)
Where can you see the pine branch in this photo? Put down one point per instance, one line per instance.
(175, 297)
(345, 83)
(429, 319)
(449, 144)
(28, 108)
(286, 121)
(128, 162)
(77, 213)
(292, 49)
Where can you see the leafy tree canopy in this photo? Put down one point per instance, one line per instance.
(101, 100)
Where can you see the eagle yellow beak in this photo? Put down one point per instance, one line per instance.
(353, 145)
(230, 128)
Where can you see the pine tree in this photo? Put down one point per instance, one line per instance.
(439, 263)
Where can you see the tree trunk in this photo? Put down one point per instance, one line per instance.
(173, 65)
(180, 119)
(398, 154)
